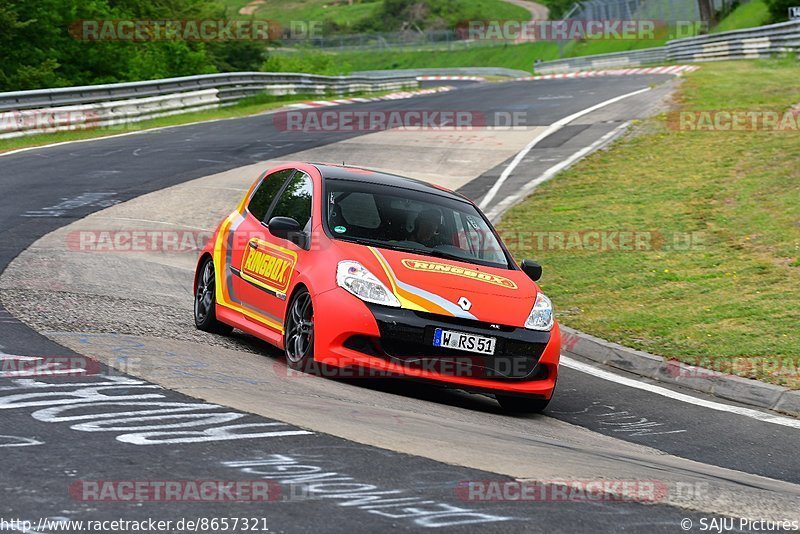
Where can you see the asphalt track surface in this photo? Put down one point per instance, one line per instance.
(48, 188)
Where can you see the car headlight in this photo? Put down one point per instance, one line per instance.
(355, 278)
(541, 317)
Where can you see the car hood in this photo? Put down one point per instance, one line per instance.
(450, 287)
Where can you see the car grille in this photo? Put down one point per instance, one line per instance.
(407, 337)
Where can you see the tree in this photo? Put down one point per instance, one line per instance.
(706, 9)
(779, 9)
(39, 51)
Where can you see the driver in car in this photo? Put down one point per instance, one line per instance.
(426, 227)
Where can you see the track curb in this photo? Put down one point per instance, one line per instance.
(675, 70)
(671, 371)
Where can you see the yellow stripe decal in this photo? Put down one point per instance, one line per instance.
(408, 300)
(223, 297)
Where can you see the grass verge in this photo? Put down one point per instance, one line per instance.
(749, 15)
(510, 56)
(720, 285)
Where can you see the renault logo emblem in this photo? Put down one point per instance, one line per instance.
(464, 303)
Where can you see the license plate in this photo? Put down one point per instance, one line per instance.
(462, 341)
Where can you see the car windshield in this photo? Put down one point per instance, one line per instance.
(413, 221)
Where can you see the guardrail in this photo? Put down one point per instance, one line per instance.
(633, 58)
(72, 108)
(760, 42)
(750, 43)
(449, 71)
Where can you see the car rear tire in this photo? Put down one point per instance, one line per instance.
(298, 339)
(522, 404)
(205, 301)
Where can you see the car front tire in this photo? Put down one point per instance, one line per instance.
(298, 338)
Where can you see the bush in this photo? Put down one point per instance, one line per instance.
(318, 63)
(779, 9)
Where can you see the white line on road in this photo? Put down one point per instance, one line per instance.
(549, 130)
(670, 394)
(526, 190)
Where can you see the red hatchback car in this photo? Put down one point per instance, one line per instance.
(353, 268)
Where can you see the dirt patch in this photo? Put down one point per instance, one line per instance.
(252, 7)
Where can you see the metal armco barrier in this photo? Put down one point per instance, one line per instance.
(634, 58)
(450, 71)
(73, 108)
(750, 43)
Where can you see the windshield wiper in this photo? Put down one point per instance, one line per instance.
(465, 259)
(381, 244)
(446, 255)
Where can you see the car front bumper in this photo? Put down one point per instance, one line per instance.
(399, 342)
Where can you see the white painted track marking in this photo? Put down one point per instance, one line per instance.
(549, 130)
(526, 190)
(670, 394)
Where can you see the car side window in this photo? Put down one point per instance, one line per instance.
(295, 201)
(267, 191)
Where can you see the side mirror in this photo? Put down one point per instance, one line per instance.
(286, 228)
(532, 269)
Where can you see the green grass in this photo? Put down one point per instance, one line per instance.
(734, 295)
(342, 15)
(749, 15)
(248, 106)
(512, 56)
(519, 57)
(331, 11)
(590, 48)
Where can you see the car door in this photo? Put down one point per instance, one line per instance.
(251, 230)
(268, 262)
